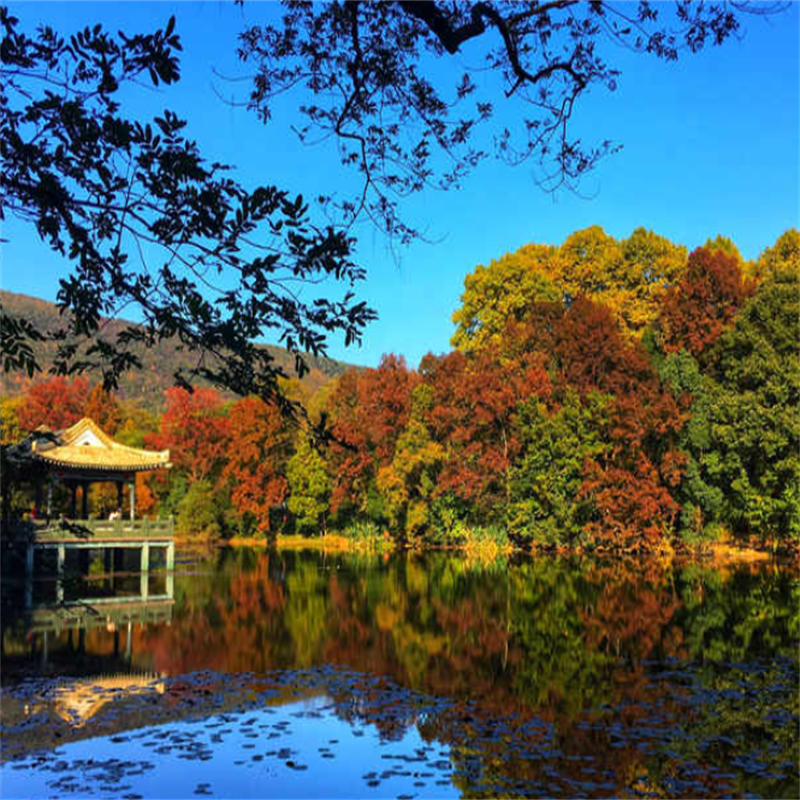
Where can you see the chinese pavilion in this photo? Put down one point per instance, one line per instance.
(77, 457)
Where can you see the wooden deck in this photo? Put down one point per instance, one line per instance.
(91, 533)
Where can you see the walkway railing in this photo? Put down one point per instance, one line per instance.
(88, 529)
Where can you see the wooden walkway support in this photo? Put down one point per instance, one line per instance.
(109, 536)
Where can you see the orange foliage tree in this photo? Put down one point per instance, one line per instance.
(474, 400)
(259, 447)
(103, 408)
(369, 409)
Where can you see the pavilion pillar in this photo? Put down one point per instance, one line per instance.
(120, 494)
(49, 499)
(73, 488)
(85, 500)
(38, 497)
(133, 499)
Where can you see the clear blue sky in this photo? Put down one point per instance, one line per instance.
(711, 145)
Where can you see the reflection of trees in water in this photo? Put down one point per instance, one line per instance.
(546, 633)
(600, 659)
(544, 639)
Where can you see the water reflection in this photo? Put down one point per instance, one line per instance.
(547, 677)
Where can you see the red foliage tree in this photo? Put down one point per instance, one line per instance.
(57, 403)
(369, 409)
(697, 310)
(474, 399)
(259, 447)
(195, 430)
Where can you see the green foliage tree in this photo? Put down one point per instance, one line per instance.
(309, 486)
(200, 514)
(546, 505)
(743, 437)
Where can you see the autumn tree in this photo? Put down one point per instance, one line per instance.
(195, 430)
(696, 311)
(104, 409)
(630, 277)
(624, 489)
(57, 402)
(407, 484)
(10, 432)
(783, 255)
(474, 399)
(258, 448)
(368, 411)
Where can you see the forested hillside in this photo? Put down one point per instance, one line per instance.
(145, 386)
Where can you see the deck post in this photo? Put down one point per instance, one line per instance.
(144, 580)
(128, 648)
(170, 556)
(144, 564)
(29, 575)
(60, 573)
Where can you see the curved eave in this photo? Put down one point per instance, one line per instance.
(97, 467)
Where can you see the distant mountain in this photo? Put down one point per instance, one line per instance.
(146, 385)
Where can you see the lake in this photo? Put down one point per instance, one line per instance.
(258, 673)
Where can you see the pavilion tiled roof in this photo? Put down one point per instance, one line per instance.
(85, 445)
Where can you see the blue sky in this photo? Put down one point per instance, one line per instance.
(710, 145)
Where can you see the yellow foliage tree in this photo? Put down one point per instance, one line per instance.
(630, 276)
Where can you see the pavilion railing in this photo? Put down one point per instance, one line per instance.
(88, 529)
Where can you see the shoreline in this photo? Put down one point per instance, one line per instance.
(713, 553)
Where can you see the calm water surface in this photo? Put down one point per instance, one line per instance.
(264, 674)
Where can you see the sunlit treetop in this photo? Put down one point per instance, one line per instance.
(630, 276)
(784, 255)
